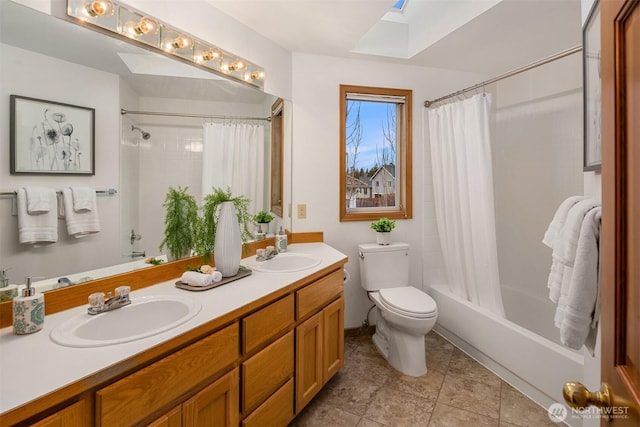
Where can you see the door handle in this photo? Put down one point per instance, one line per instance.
(579, 397)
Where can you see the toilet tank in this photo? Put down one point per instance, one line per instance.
(383, 266)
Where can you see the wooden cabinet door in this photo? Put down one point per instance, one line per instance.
(333, 345)
(309, 361)
(171, 419)
(216, 405)
(77, 414)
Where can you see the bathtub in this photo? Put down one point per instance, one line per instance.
(534, 365)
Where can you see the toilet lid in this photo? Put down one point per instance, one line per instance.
(409, 301)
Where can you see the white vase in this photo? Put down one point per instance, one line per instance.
(383, 237)
(227, 247)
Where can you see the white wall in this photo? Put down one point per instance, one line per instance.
(316, 154)
(33, 75)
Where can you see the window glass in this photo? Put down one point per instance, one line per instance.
(375, 153)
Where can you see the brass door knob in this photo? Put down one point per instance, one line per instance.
(579, 397)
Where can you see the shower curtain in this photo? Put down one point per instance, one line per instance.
(233, 157)
(463, 191)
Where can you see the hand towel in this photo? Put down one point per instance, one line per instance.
(38, 228)
(581, 306)
(38, 199)
(80, 224)
(559, 219)
(194, 278)
(83, 198)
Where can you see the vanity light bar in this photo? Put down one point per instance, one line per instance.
(122, 21)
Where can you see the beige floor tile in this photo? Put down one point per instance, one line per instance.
(456, 391)
(471, 395)
(519, 410)
(394, 408)
(448, 416)
(463, 366)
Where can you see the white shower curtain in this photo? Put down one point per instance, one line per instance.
(233, 157)
(463, 191)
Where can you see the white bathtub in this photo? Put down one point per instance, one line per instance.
(534, 365)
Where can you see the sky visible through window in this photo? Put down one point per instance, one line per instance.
(374, 116)
(399, 4)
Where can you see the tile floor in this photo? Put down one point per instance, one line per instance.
(457, 391)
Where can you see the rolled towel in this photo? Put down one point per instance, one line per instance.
(217, 276)
(193, 278)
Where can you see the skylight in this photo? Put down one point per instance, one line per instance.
(399, 5)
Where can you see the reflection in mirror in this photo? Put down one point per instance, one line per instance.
(141, 155)
(277, 156)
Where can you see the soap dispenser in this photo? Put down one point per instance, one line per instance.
(7, 291)
(281, 241)
(28, 311)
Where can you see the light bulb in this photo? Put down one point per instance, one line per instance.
(99, 8)
(210, 55)
(180, 42)
(144, 26)
(236, 65)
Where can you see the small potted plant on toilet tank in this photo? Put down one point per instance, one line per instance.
(383, 227)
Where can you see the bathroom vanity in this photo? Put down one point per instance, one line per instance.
(257, 352)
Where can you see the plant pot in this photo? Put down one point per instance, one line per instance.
(227, 248)
(383, 237)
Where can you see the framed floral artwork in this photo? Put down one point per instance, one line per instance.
(48, 137)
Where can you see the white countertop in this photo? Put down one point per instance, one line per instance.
(33, 365)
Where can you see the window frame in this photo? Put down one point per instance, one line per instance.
(404, 210)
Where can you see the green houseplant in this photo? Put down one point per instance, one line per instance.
(262, 217)
(181, 222)
(383, 227)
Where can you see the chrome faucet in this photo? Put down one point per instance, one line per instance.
(99, 304)
(265, 254)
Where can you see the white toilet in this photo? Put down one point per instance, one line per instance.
(404, 314)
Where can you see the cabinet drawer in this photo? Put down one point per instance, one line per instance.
(266, 371)
(278, 409)
(139, 395)
(315, 296)
(261, 326)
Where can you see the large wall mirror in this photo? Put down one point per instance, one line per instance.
(138, 152)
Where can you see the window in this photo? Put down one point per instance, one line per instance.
(375, 153)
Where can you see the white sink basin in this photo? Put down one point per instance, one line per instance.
(144, 317)
(285, 262)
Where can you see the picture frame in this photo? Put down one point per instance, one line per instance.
(592, 90)
(49, 137)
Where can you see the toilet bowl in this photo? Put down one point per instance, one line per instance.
(405, 314)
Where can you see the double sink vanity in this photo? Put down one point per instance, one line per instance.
(251, 352)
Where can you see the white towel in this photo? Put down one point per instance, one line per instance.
(83, 198)
(580, 310)
(194, 278)
(80, 224)
(565, 246)
(38, 199)
(559, 219)
(39, 228)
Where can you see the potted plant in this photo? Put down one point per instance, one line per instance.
(181, 221)
(263, 217)
(383, 227)
(224, 227)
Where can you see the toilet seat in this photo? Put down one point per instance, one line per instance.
(408, 301)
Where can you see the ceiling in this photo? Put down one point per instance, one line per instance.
(486, 36)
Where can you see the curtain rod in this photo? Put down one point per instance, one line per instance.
(197, 116)
(535, 64)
